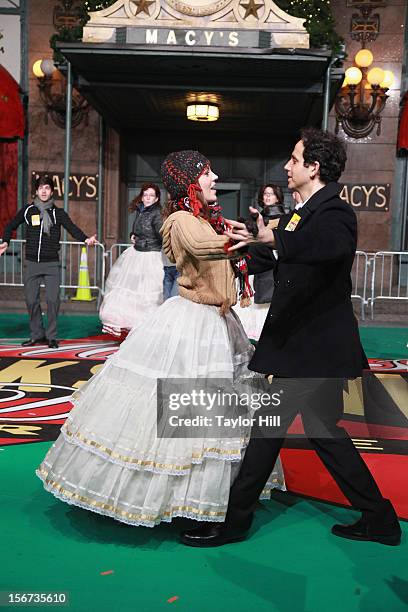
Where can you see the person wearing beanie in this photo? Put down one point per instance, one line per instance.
(134, 287)
(42, 221)
(119, 452)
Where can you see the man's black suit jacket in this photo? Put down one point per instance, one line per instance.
(310, 329)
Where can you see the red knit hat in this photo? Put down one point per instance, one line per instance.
(180, 172)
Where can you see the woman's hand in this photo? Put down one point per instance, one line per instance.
(244, 238)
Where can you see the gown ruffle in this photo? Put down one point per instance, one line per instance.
(252, 317)
(108, 458)
(133, 290)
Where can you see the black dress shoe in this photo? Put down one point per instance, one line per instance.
(390, 535)
(212, 534)
(34, 342)
(53, 344)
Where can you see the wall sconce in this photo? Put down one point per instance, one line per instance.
(203, 111)
(363, 96)
(51, 84)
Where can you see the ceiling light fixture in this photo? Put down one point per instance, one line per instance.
(203, 111)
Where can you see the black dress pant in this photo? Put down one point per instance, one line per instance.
(49, 273)
(320, 403)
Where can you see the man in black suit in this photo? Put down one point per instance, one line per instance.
(310, 343)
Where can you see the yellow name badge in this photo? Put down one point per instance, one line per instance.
(35, 220)
(291, 226)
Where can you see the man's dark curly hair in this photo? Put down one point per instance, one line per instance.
(323, 147)
(44, 179)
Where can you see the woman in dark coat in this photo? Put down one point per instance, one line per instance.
(134, 287)
(270, 204)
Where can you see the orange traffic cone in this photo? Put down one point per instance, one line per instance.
(83, 293)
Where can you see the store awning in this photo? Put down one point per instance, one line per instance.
(263, 91)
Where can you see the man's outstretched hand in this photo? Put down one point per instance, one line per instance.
(3, 248)
(92, 240)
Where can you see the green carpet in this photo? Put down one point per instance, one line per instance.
(387, 342)
(290, 564)
(15, 326)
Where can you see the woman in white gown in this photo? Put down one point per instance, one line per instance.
(134, 287)
(108, 457)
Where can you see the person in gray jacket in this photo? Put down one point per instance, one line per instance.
(134, 287)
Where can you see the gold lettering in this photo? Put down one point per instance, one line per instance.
(208, 37)
(57, 183)
(63, 186)
(90, 181)
(353, 403)
(78, 184)
(344, 194)
(353, 189)
(20, 430)
(367, 193)
(171, 38)
(94, 370)
(32, 370)
(381, 193)
(233, 39)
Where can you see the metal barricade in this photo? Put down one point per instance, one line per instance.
(116, 251)
(359, 274)
(12, 265)
(71, 262)
(389, 279)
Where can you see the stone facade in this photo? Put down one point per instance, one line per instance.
(372, 160)
(46, 141)
(195, 16)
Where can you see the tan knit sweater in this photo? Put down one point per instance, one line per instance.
(206, 274)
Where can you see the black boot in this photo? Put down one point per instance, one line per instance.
(382, 527)
(213, 534)
(34, 342)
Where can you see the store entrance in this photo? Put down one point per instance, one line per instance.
(230, 197)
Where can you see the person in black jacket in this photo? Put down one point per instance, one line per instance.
(134, 287)
(42, 221)
(310, 344)
(270, 205)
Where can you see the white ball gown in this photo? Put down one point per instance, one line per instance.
(133, 290)
(108, 458)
